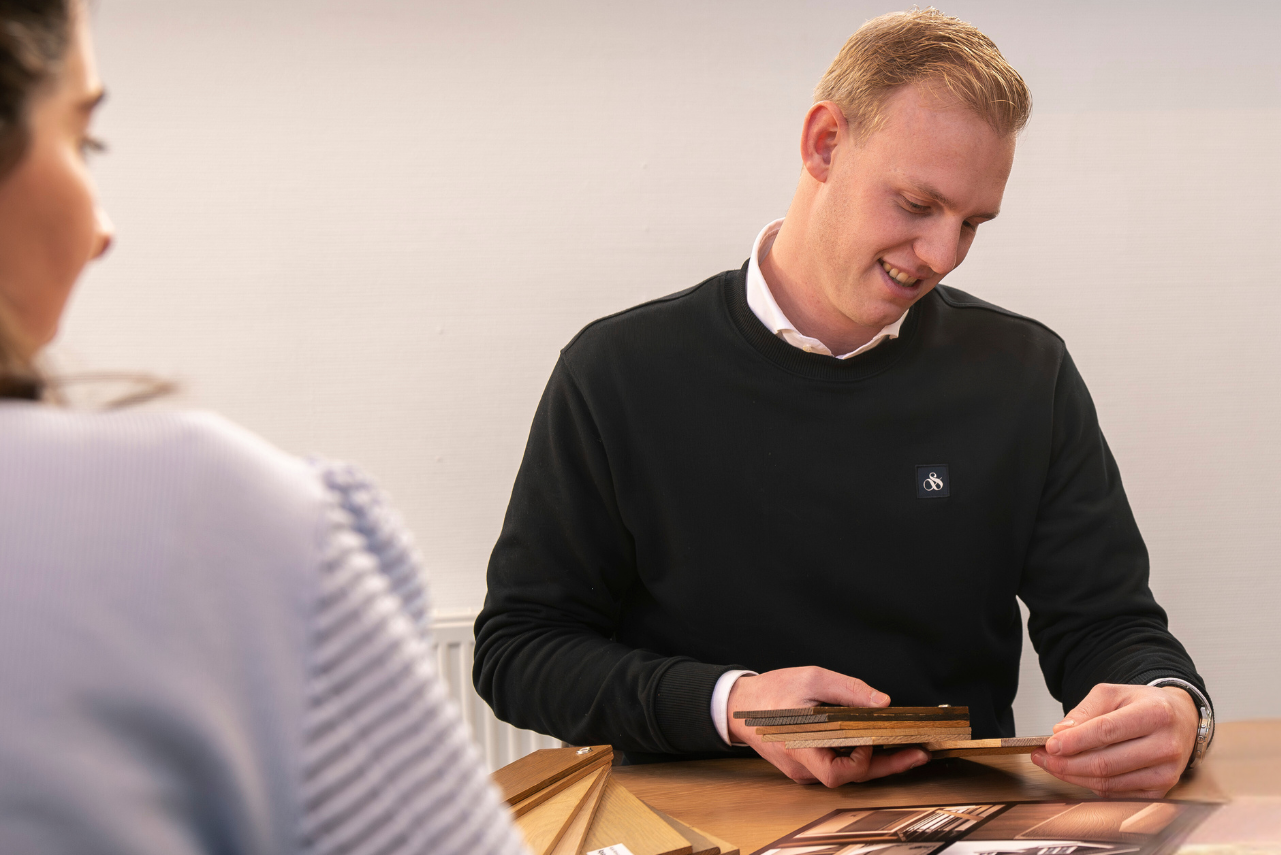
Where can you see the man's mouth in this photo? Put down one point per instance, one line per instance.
(898, 275)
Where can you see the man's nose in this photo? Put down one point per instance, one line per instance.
(940, 247)
(103, 232)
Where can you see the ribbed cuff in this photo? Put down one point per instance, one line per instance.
(682, 703)
(1147, 678)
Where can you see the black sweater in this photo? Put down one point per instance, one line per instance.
(697, 495)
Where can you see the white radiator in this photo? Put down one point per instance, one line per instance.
(499, 742)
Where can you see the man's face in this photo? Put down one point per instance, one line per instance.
(899, 210)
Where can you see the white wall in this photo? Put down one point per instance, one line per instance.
(365, 229)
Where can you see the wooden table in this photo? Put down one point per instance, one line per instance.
(751, 804)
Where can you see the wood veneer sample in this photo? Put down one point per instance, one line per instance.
(984, 747)
(916, 726)
(519, 780)
(822, 740)
(819, 718)
(571, 842)
(957, 712)
(544, 826)
(524, 806)
(623, 818)
(703, 843)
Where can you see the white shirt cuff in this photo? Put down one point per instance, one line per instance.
(720, 702)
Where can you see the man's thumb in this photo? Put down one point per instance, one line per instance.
(849, 692)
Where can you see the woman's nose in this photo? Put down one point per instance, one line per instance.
(104, 232)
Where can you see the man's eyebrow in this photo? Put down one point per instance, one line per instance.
(934, 194)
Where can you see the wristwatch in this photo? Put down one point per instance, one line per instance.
(1205, 726)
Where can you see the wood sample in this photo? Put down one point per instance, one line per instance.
(891, 712)
(863, 725)
(544, 826)
(983, 747)
(623, 818)
(703, 843)
(571, 842)
(825, 740)
(826, 714)
(519, 780)
(525, 805)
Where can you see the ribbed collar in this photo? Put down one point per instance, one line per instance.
(813, 365)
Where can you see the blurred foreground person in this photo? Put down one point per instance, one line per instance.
(206, 645)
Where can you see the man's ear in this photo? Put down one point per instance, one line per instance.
(825, 128)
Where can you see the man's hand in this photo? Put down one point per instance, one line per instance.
(1131, 741)
(787, 688)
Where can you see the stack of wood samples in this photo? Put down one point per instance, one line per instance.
(566, 803)
(944, 731)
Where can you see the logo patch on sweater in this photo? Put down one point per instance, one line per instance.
(932, 481)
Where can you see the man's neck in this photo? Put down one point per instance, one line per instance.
(790, 282)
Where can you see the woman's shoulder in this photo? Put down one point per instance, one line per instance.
(184, 444)
(187, 470)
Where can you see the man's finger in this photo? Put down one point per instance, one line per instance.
(1101, 700)
(829, 687)
(832, 769)
(1126, 723)
(1107, 762)
(895, 762)
(1155, 779)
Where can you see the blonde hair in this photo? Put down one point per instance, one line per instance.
(924, 46)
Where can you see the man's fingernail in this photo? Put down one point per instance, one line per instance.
(922, 760)
(1067, 722)
(879, 698)
(1038, 759)
(1052, 745)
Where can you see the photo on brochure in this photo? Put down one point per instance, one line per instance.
(1104, 827)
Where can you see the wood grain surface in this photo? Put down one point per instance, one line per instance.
(880, 712)
(525, 805)
(544, 825)
(751, 803)
(704, 844)
(520, 780)
(623, 818)
(854, 739)
(571, 842)
(984, 747)
(817, 718)
(943, 724)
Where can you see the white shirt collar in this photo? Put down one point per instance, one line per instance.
(763, 305)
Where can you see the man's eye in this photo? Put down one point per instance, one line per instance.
(915, 208)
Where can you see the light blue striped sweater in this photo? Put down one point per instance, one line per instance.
(207, 645)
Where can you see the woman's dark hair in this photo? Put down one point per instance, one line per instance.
(34, 35)
(33, 40)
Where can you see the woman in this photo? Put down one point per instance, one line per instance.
(205, 644)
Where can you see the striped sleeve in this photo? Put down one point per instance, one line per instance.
(387, 764)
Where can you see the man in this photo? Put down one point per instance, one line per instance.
(825, 478)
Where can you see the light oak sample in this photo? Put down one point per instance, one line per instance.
(519, 780)
(544, 826)
(822, 740)
(623, 818)
(571, 842)
(703, 843)
(526, 805)
(984, 747)
(915, 726)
